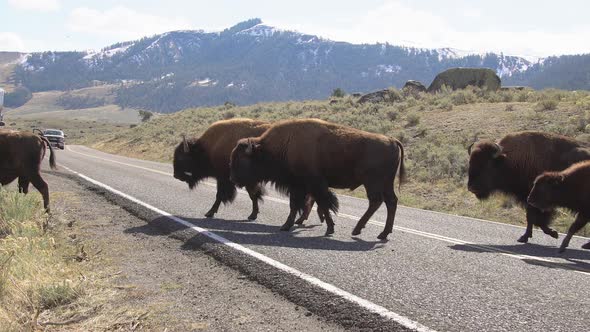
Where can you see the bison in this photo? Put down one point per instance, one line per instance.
(569, 189)
(208, 156)
(310, 156)
(20, 157)
(512, 165)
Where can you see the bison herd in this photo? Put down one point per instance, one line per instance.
(305, 158)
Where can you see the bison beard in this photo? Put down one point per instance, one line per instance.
(511, 166)
(309, 156)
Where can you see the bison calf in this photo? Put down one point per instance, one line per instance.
(569, 189)
(511, 166)
(20, 157)
(310, 156)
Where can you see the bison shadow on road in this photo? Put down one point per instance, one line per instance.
(249, 232)
(573, 259)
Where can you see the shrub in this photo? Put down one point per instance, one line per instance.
(413, 120)
(461, 97)
(338, 93)
(69, 101)
(228, 115)
(509, 108)
(18, 97)
(145, 115)
(392, 115)
(546, 105)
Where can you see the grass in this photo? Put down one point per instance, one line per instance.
(34, 275)
(435, 129)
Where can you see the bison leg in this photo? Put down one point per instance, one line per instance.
(391, 203)
(309, 202)
(226, 192)
(375, 200)
(23, 185)
(255, 193)
(296, 203)
(537, 217)
(325, 199)
(574, 228)
(41, 185)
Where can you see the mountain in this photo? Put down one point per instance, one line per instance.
(248, 63)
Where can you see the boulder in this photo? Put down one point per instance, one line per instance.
(381, 96)
(413, 87)
(460, 78)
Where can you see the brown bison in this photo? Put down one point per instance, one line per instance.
(512, 165)
(310, 156)
(208, 156)
(20, 157)
(569, 189)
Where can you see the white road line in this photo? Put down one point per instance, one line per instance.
(375, 308)
(399, 228)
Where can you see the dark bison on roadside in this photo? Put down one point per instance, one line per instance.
(310, 156)
(512, 165)
(569, 189)
(20, 157)
(460, 78)
(208, 156)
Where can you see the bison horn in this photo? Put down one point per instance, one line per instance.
(184, 144)
(498, 150)
(469, 148)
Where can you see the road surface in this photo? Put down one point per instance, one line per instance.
(439, 271)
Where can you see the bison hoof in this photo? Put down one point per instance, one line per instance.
(299, 221)
(253, 216)
(330, 231)
(523, 239)
(383, 236)
(553, 234)
(285, 228)
(586, 246)
(561, 249)
(209, 214)
(356, 231)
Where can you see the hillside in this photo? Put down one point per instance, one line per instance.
(435, 129)
(245, 64)
(8, 64)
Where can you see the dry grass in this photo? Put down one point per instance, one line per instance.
(34, 275)
(436, 129)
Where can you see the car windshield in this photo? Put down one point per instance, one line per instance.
(53, 132)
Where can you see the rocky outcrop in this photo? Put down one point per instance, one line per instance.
(460, 78)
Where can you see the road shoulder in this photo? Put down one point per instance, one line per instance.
(150, 281)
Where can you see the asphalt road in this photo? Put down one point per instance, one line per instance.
(446, 272)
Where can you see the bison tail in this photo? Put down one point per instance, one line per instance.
(401, 171)
(52, 163)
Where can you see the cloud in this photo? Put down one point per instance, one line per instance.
(400, 24)
(122, 22)
(11, 42)
(40, 5)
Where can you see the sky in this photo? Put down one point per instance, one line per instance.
(528, 28)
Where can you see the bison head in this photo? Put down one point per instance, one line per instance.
(546, 190)
(485, 168)
(243, 163)
(191, 164)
